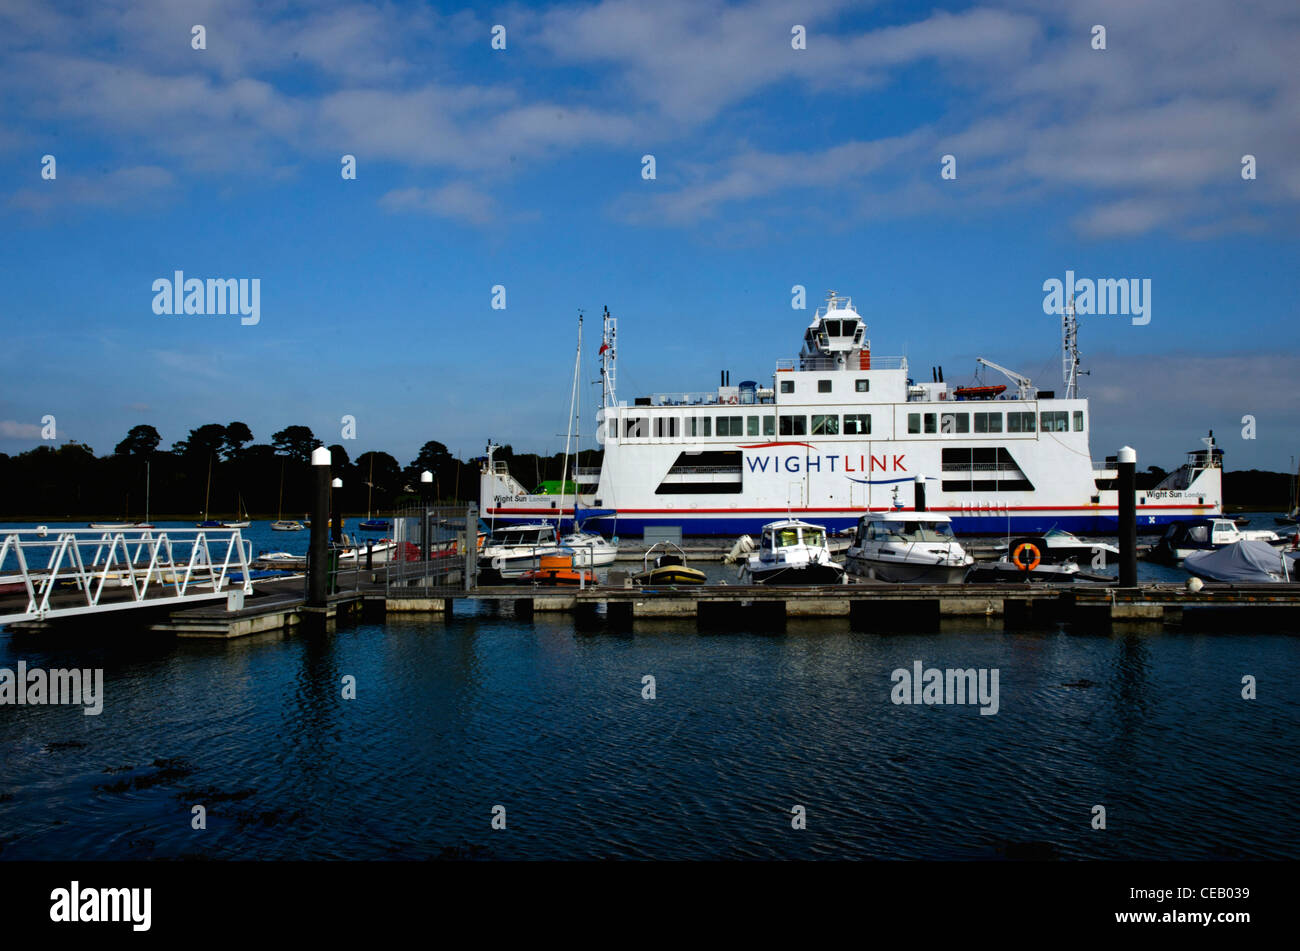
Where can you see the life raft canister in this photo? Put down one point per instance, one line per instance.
(1035, 555)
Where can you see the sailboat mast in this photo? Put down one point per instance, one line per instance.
(568, 436)
(146, 492)
(207, 493)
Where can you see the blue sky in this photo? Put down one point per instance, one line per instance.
(522, 167)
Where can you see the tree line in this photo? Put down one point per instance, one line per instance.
(228, 468)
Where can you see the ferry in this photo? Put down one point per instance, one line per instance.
(833, 433)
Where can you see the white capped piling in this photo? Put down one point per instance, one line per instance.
(1127, 486)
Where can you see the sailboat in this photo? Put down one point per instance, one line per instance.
(280, 524)
(145, 523)
(206, 522)
(372, 524)
(590, 550)
(1293, 516)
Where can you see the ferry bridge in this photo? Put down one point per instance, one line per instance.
(50, 573)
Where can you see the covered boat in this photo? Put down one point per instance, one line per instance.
(669, 568)
(1243, 562)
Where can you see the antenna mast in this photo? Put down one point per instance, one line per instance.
(1070, 351)
(608, 357)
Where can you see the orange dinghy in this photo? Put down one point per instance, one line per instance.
(558, 570)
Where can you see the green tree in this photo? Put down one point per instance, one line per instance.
(202, 443)
(296, 442)
(237, 434)
(142, 440)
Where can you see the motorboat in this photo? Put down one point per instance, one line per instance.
(1186, 537)
(287, 525)
(356, 551)
(1056, 547)
(1007, 569)
(791, 552)
(509, 553)
(1244, 562)
(669, 568)
(559, 571)
(374, 525)
(910, 547)
(591, 550)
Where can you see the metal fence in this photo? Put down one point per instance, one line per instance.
(435, 548)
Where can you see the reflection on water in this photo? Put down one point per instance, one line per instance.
(452, 718)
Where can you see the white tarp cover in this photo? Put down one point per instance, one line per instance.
(1242, 561)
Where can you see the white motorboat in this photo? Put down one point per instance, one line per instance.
(1184, 538)
(790, 552)
(356, 551)
(910, 547)
(287, 525)
(510, 552)
(1058, 546)
(591, 550)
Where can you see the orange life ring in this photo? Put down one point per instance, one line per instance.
(1037, 556)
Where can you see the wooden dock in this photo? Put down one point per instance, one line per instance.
(867, 606)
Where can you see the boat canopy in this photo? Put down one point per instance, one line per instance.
(1242, 561)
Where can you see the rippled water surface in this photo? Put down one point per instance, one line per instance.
(452, 718)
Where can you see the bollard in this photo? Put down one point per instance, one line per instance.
(1127, 486)
(426, 486)
(318, 552)
(919, 503)
(471, 546)
(336, 522)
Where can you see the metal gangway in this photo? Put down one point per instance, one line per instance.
(48, 573)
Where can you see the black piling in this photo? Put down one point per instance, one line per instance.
(1127, 486)
(318, 551)
(919, 503)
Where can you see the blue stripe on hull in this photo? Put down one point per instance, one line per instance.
(733, 525)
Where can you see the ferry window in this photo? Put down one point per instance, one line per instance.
(731, 426)
(857, 424)
(826, 425)
(705, 424)
(613, 429)
(787, 386)
(751, 423)
(769, 425)
(833, 327)
(1020, 422)
(862, 386)
(794, 425)
(665, 426)
(913, 422)
(823, 386)
(988, 422)
(930, 426)
(634, 427)
(1054, 422)
(955, 423)
(1078, 420)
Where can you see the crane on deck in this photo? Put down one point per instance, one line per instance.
(1024, 386)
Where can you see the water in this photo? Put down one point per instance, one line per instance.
(454, 717)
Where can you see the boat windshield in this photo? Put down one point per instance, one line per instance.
(918, 531)
(531, 536)
(814, 537)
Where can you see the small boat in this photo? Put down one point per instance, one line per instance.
(791, 552)
(1292, 517)
(117, 525)
(558, 571)
(1241, 521)
(1057, 547)
(908, 547)
(669, 568)
(1244, 562)
(1183, 538)
(356, 552)
(282, 525)
(590, 549)
(978, 392)
(512, 551)
(374, 525)
(1006, 569)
